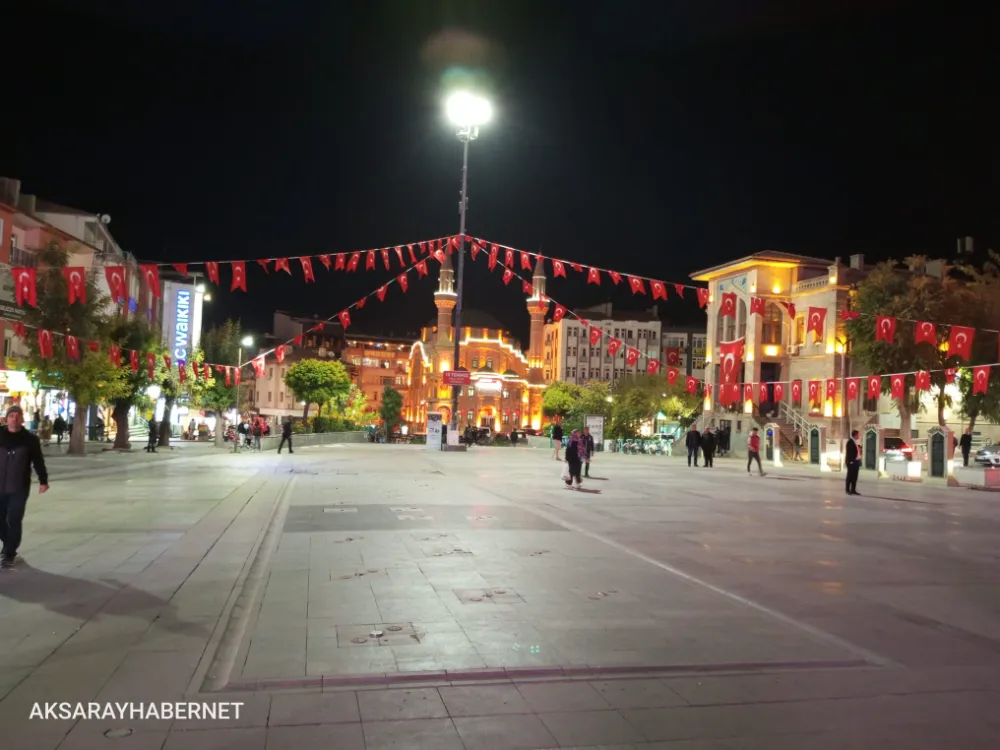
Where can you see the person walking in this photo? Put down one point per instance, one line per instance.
(59, 427)
(693, 442)
(20, 451)
(708, 446)
(576, 453)
(286, 435)
(557, 437)
(258, 433)
(45, 431)
(798, 447)
(588, 441)
(966, 445)
(513, 438)
(151, 442)
(853, 463)
(753, 451)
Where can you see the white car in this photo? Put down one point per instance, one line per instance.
(988, 455)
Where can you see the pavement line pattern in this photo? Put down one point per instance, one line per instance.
(245, 596)
(869, 656)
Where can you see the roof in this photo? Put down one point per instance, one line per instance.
(57, 208)
(618, 316)
(766, 257)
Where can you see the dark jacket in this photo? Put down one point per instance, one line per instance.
(588, 440)
(286, 430)
(708, 442)
(557, 432)
(19, 451)
(59, 425)
(572, 456)
(852, 451)
(966, 442)
(693, 439)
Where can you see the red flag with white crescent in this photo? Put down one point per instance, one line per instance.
(404, 281)
(923, 380)
(115, 355)
(813, 390)
(558, 269)
(558, 313)
(507, 276)
(614, 346)
(831, 388)
(525, 261)
(151, 273)
(980, 379)
(637, 285)
(672, 373)
(885, 328)
(763, 396)
(44, 343)
(615, 277)
(757, 305)
(816, 322)
(116, 282)
(960, 342)
(853, 388)
(352, 263)
(779, 392)
(133, 360)
(212, 269)
(279, 353)
(76, 283)
(730, 357)
(703, 296)
(258, 366)
(659, 289)
(595, 336)
(307, 268)
(631, 356)
(797, 391)
(72, 347)
(345, 318)
(727, 305)
(874, 386)
(150, 365)
(339, 262)
(593, 276)
(324, 258)
(925, 332)
(239, 276)
(897, 385)
(370, 260)
(653, 366)
(691, 384)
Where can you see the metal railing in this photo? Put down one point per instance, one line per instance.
(820, 282)
(793, 416)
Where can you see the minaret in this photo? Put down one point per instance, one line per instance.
(538, 305)
(445, 299)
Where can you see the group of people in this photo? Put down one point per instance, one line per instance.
(706, 442)
(579, 452)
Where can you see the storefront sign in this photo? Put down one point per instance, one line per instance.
(182, 325)
(456, 377)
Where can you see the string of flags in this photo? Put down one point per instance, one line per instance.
(731, 355)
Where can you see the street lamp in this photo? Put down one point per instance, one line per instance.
(246, 341)
(467, 112)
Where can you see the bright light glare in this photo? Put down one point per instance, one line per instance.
(247, 341)
(465, 109)
(200, 288)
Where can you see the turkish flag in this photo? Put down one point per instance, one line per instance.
(779, 392)
(381, 293)
(229, 382)
(339, 261)
(757, 305)
(237, 374)
(831, 388)
(182, 370)
(525, 260)
(673, 355)
(279, 353)
(72, 347)
(679, 288)
(576, 267)
(659, 289)
(353, 261)
(631, 356)
(150, 365)
(846, 315)
(264, 263)
(361, 302)
(874, 386)
(151, 273)
(748, 392)
(116, 282)
(526, 288)
(194, 368)
(212, 269)
(44, 343)
(94, 346)
(404, 281)
(258, 367)
(115, 355)
(703, 296)
(638, 287)
(507, 276)
(492, 263)
(508, 258)
(595, 336)
(960, 342)
(797, 391)
(925, 333)
(816, 322)
(730, 356)
(813, 390)
(691, 384)
(133, 360)
(672, 373)
(476, 248)
(923, 380)
(593, 276)
(897, 385)
(950, 375)
(239, 276)
(727, 306)
(980, 379)
(307, 268)
(615, 277)
(559, 313)
(789, 308)
(762, 393)
(853, 388)
(558, 269)
(281, 264)
(370, 259)
(345, 318)
(76, 283)
(885, 328)
(421, 268)
(385, 257)
(653, 366)
(166, 360)
(181, 268)
(614, 346)
(206, 370)
(20, 330)
(325, 258)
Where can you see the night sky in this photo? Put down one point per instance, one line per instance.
(644, 137)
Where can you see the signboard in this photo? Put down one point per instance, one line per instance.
(11, 312)
(456, 377)
(489, 385)
(596, 424)
(182, 325)
(434, 425)
(182, 305)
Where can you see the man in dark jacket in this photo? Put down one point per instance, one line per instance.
(151, 438)
(966, 445)
(286, 435)
(19, 451)
(693, 442)
(853, 463)
(588, 441)
(708, 445)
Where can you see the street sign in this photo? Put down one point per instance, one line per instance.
(457, 377)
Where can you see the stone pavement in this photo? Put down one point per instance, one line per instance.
(371, 596)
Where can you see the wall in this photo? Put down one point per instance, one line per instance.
(316, 438)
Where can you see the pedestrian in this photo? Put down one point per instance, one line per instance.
(20, 450)
(286, 435)
(258, 433)
(693, 442)
(575, 453)
(513, 438)
(151, 443)
(588, 441)
(966, 444)
(798, 447)
(853, 463)
(753, 451)
(557, 437)
(59, 427)
(708, 446)
(45, 431)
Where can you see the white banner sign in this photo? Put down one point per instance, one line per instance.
(596, 424)
(434, 424)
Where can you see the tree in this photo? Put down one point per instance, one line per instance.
(317, 381)
(984, 287)
(391, 409)
(353, 407)
(174, 392)
(221, 345)
(92, 379)
(559, 398)
(132, 333)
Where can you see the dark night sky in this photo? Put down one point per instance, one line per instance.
(646, 137)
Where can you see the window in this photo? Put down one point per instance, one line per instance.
(374, 395)
(268, 397)
(281, 397)
(475, 363)
(607, 375)
(506, 417)
(385, 381)
(800, 330)
(400, 380)
(270, 373)
(567, 372)
(698, 363)
(468, 416)
(505, 394)
(256, 395)
(470, 391)
(629, 337)
(489, 363)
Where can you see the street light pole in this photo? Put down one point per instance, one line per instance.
(465, 135)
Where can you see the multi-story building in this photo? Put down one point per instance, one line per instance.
(569, 357)
(684, 348)
(506, 384)
(375, 362)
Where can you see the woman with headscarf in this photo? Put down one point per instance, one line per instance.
(576, 454)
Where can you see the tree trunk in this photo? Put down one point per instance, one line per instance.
(77, 443)
(120, 415)
(904, 419)
(972, 420)
(164, 439)
(305, 411)
(219, 442)
(940, 405)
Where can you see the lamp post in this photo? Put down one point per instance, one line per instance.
(467, 112)
(246, 341)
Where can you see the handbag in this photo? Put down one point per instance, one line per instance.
(565, 472)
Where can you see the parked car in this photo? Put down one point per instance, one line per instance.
(988, 455)
(894, 447)
(531, 431)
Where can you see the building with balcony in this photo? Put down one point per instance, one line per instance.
(684, 348)
(506, 383)
(375, 362)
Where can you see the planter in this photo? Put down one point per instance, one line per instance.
(906, 471)
(978, 476)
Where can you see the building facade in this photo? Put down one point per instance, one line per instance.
(375, 362)
(506, 389)
(684, 348)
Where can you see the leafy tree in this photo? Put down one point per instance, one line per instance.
(317, 381)
(221, 345)
(353, 407)
(92, 379)
(130, 333)
(176, 393)
(559, 398)
(983, 285)
(391, 409)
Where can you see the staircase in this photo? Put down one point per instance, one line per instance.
(789, 421)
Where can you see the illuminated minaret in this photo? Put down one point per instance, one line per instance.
(538, 305)
(445, 299)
